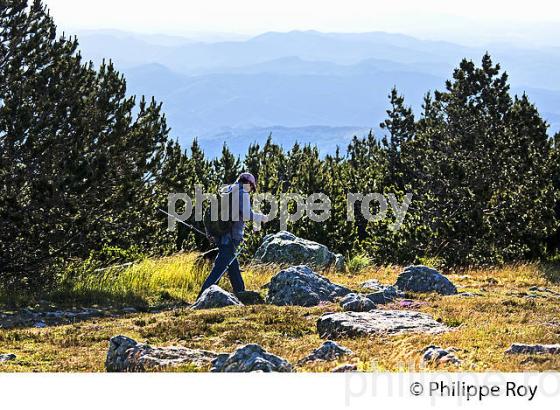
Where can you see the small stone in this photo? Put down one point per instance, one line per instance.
(543, 290)
(356, 303)
(468, 295)
(129, 310)
(327, 352)
(7, 357)
(372, 284)
(379, 298)
(339, 263)
(534, 296)
(424, 279)
(215, 297)
(520, 348)
(40, 325)
(392, 292)
(250, 358)
(382, 294)
(345, 368)
(437, 355)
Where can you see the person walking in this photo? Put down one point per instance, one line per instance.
(229, 242)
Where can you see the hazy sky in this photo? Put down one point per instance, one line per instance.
(456, 19)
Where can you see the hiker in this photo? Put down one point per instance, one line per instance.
(229, 242)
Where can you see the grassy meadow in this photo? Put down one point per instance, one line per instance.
(503, 311)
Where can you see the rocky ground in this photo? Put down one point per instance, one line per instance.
(310, 319)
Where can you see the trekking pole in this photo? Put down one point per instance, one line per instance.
(194, 228)
(237, 253)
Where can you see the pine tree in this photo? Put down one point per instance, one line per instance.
(306, 178)
(365, 175)
(175, 178)
(227, 168)
(470, 175)
(336, 176)
(400, 126)
(77, 166)
(270, 166)
(554, 241)
(251, 162)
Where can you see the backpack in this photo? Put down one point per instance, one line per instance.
(217, 229)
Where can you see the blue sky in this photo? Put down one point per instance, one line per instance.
(463, 21)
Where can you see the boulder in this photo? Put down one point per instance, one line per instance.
(249, 297)
(436, 355)
(353, 324)
(392, 292)
(300, 286)
(424, 279)
(127, 355)
(520, 348)
(387, 294)
(372, 284)
(286, 248)
(356, 303)
(378, 298)
(345, 368)
(250, 358)
(381, 294)
(339, 263)
(216, 297)
(327, 352)
(7, 357)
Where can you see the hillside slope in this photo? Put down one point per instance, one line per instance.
(483, 326)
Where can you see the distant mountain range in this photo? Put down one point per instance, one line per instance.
(307, 86)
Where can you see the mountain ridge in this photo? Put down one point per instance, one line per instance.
(304, 79)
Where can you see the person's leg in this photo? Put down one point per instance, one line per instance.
(224, 257)
(235, 277)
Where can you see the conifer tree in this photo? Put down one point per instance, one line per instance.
(251, 162)
(467, 154)
(365, 174)
(400, 127)
(554, 241)
(227, 167)
(77, 167)
(336, 177)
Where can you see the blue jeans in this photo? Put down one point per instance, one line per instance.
(226, 252)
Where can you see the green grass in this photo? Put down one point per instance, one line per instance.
(482, 327)
(148, 282)
(358, 263)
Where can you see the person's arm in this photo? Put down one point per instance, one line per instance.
(246, 211)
